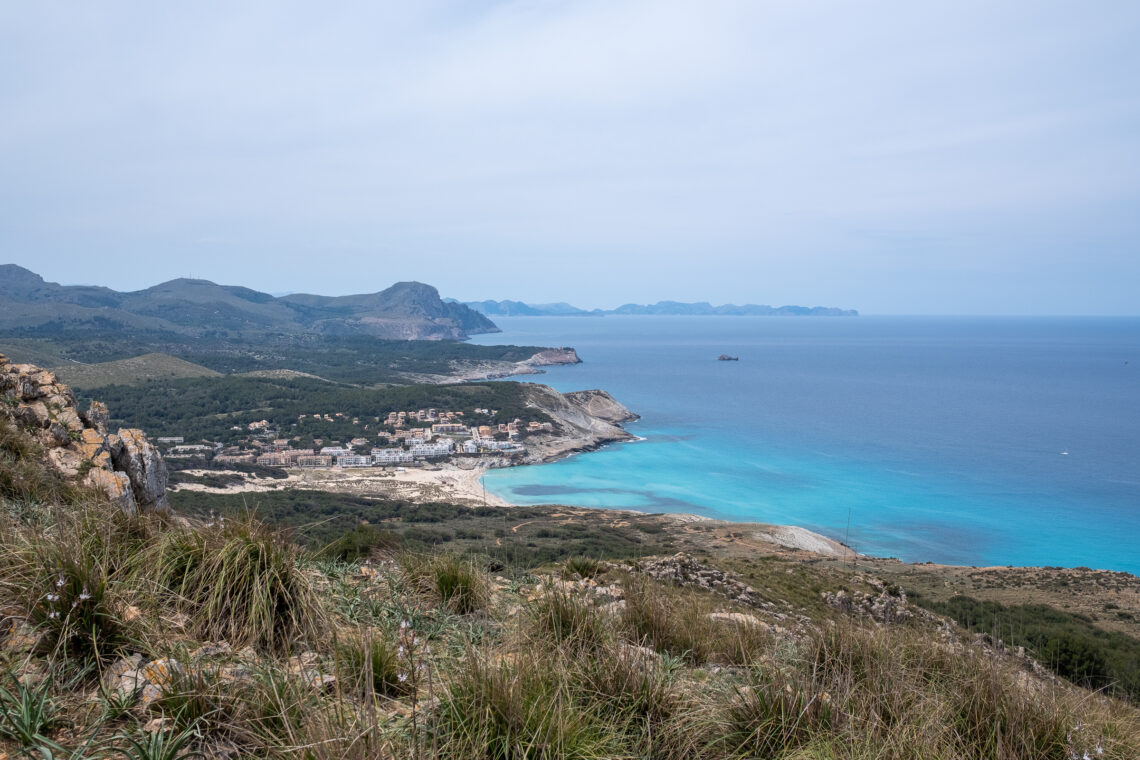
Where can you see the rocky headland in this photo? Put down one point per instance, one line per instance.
(467, 371)
(584, 421)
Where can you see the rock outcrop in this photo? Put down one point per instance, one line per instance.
(686, 571)
(495, 370)
(124, 465)
(584, 421)
(551, 357)
(602, 405)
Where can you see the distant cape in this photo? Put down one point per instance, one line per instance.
(701, 308)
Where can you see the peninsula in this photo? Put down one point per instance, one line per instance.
(661, 308)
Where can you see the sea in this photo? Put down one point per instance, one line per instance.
(961, 440)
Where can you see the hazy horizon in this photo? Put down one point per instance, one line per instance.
(963, 158)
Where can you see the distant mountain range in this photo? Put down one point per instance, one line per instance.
(405, 311)
(520, 309)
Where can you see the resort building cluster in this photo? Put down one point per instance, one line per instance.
(406, 438)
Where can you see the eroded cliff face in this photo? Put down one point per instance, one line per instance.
(585, 420)
(124, 465)
(602, 405)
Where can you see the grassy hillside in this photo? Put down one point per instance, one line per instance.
(138, 369)
(149, 638)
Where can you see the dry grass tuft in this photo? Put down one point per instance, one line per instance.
(240, 582)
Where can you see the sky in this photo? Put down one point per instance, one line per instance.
(936, 157)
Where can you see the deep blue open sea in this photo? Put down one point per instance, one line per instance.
(939, 439)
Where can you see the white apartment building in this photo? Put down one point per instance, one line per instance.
(391, 456)
(433, 450)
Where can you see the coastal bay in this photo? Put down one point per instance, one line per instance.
(967, 441)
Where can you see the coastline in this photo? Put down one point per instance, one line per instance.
(594, 419)
(419, 485)
(464, 486)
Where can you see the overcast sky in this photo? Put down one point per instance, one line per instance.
(956, 157)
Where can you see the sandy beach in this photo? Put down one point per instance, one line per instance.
(414, 484)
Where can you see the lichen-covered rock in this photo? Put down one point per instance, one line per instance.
(98, 416)
(685, 570)
(888, 606)
(144, 468)
(123, 677)
(738, 618)
(125, 466)
(117, 487)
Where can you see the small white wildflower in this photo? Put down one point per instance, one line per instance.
(53, 614)
(402, 677)
(400, 650)
(83, 595)
(1099, 749)
(421, 667)
(52, 597)
(403, 625)
(61, 581)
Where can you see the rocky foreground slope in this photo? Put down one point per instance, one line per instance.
(123, 464)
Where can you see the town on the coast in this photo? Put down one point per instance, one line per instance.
(402, 438)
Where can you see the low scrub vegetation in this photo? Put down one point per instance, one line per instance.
(352, 526)
(1063, 641)
(140, 636)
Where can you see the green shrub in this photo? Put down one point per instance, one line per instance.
(517, 710)
(583, 567)
(23, 477)
(1063, 641)
(371, 663)
(362, 541)
(773, 714)
(75, 612)
(26, 712)
(639, 699)
(240, 582)
(159, 745)
(455, 582)
(569, 621)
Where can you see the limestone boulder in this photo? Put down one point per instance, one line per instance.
(145, 470)
(125, 466)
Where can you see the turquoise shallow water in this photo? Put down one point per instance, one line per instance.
(938, 438)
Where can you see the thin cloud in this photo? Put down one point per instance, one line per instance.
(790, 148)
